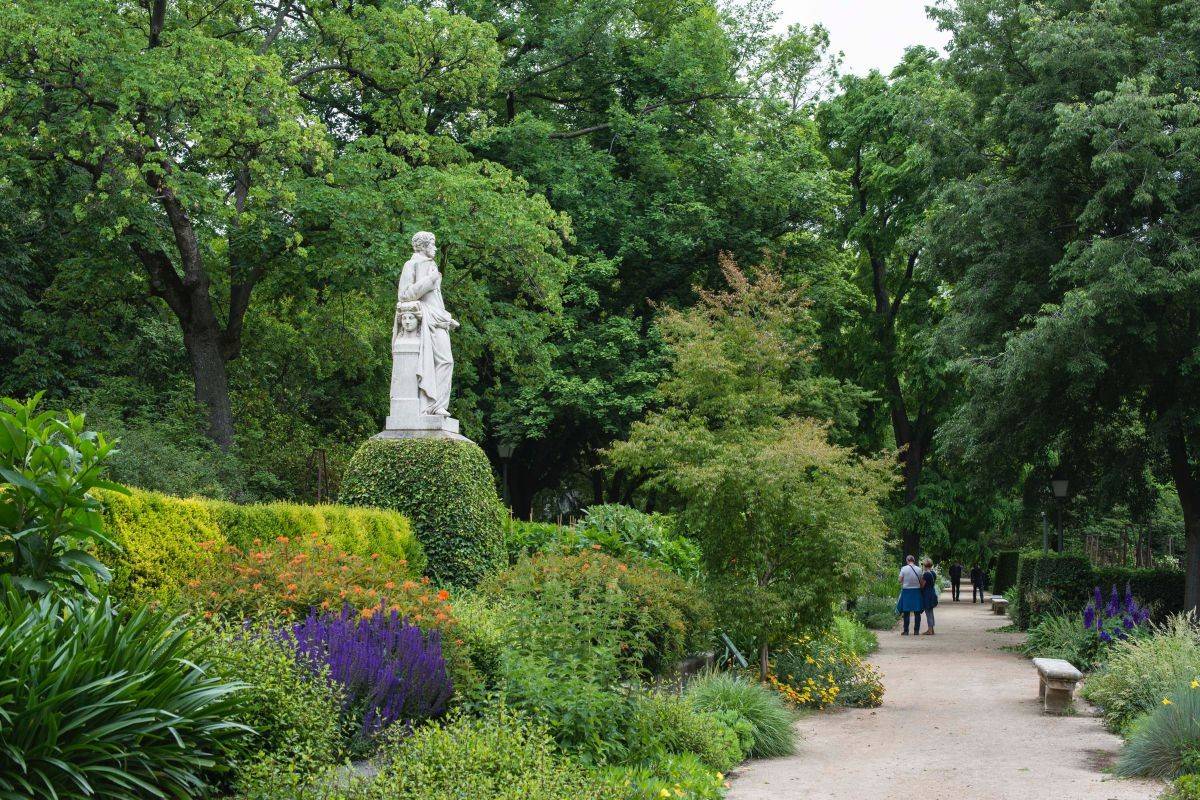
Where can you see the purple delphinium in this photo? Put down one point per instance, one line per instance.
(1115, 619)
(392, 671)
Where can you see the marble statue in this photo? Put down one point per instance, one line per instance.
(422, 361)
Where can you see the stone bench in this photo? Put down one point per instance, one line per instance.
(999, 605)
(1056, 684)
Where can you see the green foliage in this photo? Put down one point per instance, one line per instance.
(498, 755)
(682, 776)
(625, 532)
(819, 671)
(523, 538)
(1049, 583)
(1186, 787)
(1141, 671)
(875, 612)
(1161, 590)
(163, 539)
(485, 628)
(771, 721)
(663, 723)
(1063, 636)
(294, 716)
(446, 488)
(122, 710)
(664, 618)
(854, 635)
(1166, 742)
(1052, 583)
(49, 513)
(788, 521)
(1007, 563)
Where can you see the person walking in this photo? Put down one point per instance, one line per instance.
(956, 570)
(929, 595)
(977, 580)
(909, 602)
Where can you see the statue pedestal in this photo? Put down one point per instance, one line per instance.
(405, 420)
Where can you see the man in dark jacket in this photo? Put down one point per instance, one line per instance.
(956, 570)
(977, 582)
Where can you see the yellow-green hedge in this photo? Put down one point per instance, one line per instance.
(160, 536)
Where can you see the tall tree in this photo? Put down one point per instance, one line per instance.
(233, 148)
(1073, 250)
(895, 140)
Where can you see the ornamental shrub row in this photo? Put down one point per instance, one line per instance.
(1006, 571)
(1050, 583)
(163, 538)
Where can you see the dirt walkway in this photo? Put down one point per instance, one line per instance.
(960, 721)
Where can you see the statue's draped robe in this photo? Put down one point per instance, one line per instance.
(421, 282)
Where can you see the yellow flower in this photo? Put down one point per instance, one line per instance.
(1195, 684)
(1166, 701)
(664, 793)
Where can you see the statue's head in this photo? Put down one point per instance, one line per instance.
(423, 242)
(408, 321)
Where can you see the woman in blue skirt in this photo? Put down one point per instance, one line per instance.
(910, 601)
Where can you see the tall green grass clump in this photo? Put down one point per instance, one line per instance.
(1166, 742)
(1063, 636)
(1141, 671)
(769, 717)
(854, 635)
(876, 612)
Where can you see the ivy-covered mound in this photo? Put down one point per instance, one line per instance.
(445, 487)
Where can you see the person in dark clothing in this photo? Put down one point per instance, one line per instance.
(977, 582)
(956, 570)
(929, 596)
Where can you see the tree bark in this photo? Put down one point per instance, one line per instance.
(1187, 484)
(764, 661)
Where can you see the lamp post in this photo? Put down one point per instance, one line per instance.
(1059, 484)
(1045, 534)
(505, 450)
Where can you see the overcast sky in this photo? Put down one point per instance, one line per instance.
(871, 33)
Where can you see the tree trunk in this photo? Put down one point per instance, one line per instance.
(764, 661)
(914, 461)
(1188, 486)
(212, 382)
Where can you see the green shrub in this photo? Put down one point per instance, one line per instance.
(162, 539)
(1186, 787)
(1165, 743)
(667, 723)
(93, 704)
(499, 755)
(1063, 636)
(664, 617)
(819, 671)
(1159, 589)
(669, 775)
(854, 635)
(294, 716)
(1141, 671)
(876, 612)
(771, 721)
(49, 513)
(485, 629)
(446, 488)
(1050, 583)
(627, 533)
(523, 538)
(1007, 563)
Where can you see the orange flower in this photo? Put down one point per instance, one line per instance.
(257, 587)
(282, 539)
(443, 594)
(205, 545)
(291, 587)
(368, 612)
(389, 585)
(257, 542)
(325, 603)
(374, 556)
(208, 615)
(193, 583)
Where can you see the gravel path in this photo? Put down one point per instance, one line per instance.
(960, 721)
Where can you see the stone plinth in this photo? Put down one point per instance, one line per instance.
(405, 420)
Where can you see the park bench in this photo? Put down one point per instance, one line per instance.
(999, 605)
(1056, 684)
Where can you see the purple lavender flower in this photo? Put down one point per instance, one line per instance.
(1097, 598)
(391, 670)
(1089, 617)
(1114, 604)
(1130, 603)
(1104, 637)
(1128, 623)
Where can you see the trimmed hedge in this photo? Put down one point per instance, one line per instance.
(1050, 582)
(161, 536)
(1006, 571)
(445, 487)
(1161, 589)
